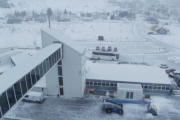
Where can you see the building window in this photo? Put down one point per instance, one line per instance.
(107, 83)
(167, 88)
(11, 96)
(103, 84)
(59, 53)
(50, 63)
(47, 64)
(99, 83)
(129, 95)
(4, 103)
(28, 81)
(115, 84)
(44, 67)
(61, 91)
(54, 58)
(159, 87)
(17, 88)
(60, 62)
(60, 70)
(61, 81)
(95, 84)
(150, 87)
(37, 73)
(23, 85)
(87, 83)
(41, 69)
(33, 77)
(91, 83)
(154, 87)
(163, 87)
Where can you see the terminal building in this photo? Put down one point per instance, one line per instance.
(63, 65)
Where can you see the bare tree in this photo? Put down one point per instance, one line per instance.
(49, 14)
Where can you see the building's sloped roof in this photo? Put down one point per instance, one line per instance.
(129, 73)
(28, 62)
(63, 38)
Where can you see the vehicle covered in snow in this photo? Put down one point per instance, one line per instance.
(162, 31)
(163, 66)
(34, 97)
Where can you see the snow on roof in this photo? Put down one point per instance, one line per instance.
(65, 40)
(7, 79)
(126, 73)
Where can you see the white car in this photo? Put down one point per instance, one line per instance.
(163, 66)
(34, 97)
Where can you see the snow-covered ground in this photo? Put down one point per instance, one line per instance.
(91, 109)
(129, 36)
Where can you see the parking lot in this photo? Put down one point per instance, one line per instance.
(91, 109)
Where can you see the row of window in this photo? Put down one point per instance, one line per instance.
(101, 83)
(114, 84)
(61, 89)
(156, 87)
(14, 93)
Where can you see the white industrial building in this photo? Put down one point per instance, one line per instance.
(62, 64)
(107, 75)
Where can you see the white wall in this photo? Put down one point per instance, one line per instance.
(74, 81)
(52, 82)
(72, 67)
(137, 93)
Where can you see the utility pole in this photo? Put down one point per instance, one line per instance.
(49, 14)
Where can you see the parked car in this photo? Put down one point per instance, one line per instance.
(162, 31)
(163, 66)
(34, 97)
(150, 33)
